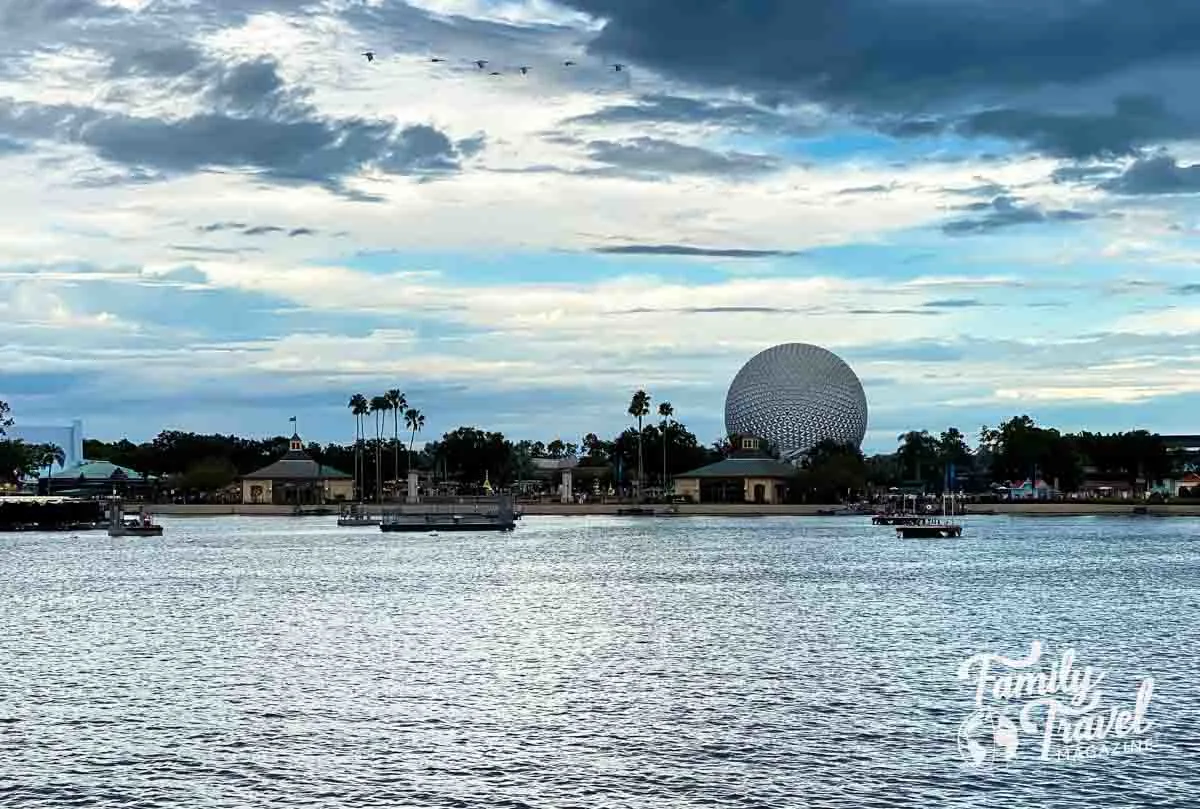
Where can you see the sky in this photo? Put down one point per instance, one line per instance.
(219, 215)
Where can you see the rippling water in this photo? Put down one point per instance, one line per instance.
(577, 663)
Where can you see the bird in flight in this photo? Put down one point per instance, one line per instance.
(370, 55)
(568, 63)
(481, 63)
(437, 59)
(524, 70)
(618, 67)
(496, 73)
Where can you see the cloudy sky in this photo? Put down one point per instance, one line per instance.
(218, 214)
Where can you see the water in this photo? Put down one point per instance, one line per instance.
(243, 662)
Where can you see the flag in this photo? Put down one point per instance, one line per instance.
(292, 419)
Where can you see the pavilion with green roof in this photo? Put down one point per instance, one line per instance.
(98, 479)
(296, 479)
(748, 475)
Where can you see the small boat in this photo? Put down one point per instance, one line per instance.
(353, 516)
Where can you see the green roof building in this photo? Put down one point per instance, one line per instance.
(296, 479)
(747, 476)
(98, 479)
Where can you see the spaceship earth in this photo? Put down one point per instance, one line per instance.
(796, 395)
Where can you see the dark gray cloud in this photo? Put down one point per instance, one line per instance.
(1188, 289)
(954, 303)
(712, 310)
(31, 15)
(672, 109)
(169, 60)
(214, 251)
(1135, 122)
(988, 68)
(894, 312)
(1004, 212)
(1160, 174)
(9, 146)
(892, 52)
(1081, 173)
(686, 250)
(654, 156)
(254, 88)
(256, 124)
(255, 230)
(868, 189)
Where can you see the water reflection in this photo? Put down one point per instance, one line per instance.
(587, 663)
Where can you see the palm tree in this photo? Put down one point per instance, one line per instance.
(639, 407)
(397, 403)
(48, 455)
(665, 411)
(358, 408)
(379, 407)
(414, 421)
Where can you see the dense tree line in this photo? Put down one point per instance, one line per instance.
(654, 453)
(1019, 449)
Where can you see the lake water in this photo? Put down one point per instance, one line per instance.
(604, 662)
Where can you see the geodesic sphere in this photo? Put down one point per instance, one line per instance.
(796, 395)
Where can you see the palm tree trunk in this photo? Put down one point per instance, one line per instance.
(664, 440)
(379, 458)
(396, 447)
(641, 473)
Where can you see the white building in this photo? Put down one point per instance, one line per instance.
(69, 437)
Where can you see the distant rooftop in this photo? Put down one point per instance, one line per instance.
(296, 464)
(97, 470)
(743, 467)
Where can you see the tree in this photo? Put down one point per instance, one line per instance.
(665, 411)
(379, 407)
(639, 407)
(209, 475)
(16, 461)
(953, 452)
(469, 454)
(1020, 449)
(596, 452)
(831, 471)
(414, 421)
(397, 403)
(47, 455)
(556, 448)
(919, 452)
(358, 408)
(6, 420)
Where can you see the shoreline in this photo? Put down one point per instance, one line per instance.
(697, 510)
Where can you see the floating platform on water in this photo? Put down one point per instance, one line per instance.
(497, 515)
(930, 529)
(50, 514)
(898, 519)
(355, 517)
(647, 511)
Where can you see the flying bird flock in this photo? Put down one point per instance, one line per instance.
(482, 64)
